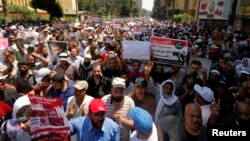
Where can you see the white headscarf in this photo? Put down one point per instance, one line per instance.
(165, 101)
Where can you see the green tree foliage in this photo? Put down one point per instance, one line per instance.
(114, 7)
(182, 17)
(53, 8)
(26, 14)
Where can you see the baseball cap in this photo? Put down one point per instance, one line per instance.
(80, 85)
(41, 73)
(118, 82)
(140, 81)
(97, 105)
(143, 121)
(205, 92)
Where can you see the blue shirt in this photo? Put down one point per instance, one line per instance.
(63, 94)
(82, 126)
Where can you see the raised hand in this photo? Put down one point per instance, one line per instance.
(71, 111)
(148, 67)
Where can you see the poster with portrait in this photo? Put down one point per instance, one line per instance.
(168, 51)
(214, 9)
(206, 63)
(57, 47)
(48, 121)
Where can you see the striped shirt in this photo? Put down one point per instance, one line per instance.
(128, 104)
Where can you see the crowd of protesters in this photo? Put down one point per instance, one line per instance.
(107, 97)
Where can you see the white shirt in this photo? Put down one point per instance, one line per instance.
(152, 137)
(84, 106)
(206, 112)
(75, 61)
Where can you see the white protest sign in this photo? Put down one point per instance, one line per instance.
(136, 50)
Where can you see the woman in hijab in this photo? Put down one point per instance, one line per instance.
(168, 102)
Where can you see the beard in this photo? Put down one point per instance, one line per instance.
(86, 64)
(23, 72)
(117, 98)
(98, 124)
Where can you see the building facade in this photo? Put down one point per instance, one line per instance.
(164, 8)
(138, 4)
(215, 12)
(242, 19)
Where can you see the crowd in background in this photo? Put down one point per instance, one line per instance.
(140, 99)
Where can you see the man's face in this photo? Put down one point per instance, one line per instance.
(193, 118)
(112, 63)
(213, 76)
(97, 71)
(45, 51)
(136, 66)
(79, 94)
(73, 52)
(57, 85)
(159, 68)
(139, 89)
(87, 60)
(243, 113)
(23, 68)
(97, 119)
(93, 46)
(125, 77)
(221, 63)
(117, 94)
(194, 68)
(31, 60)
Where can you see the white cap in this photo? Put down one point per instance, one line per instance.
(118, 82)
(79, 85)
(205, 92)
(41, 73)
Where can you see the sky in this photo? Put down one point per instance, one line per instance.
(147, 4)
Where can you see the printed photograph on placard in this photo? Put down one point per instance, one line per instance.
(57, 47)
